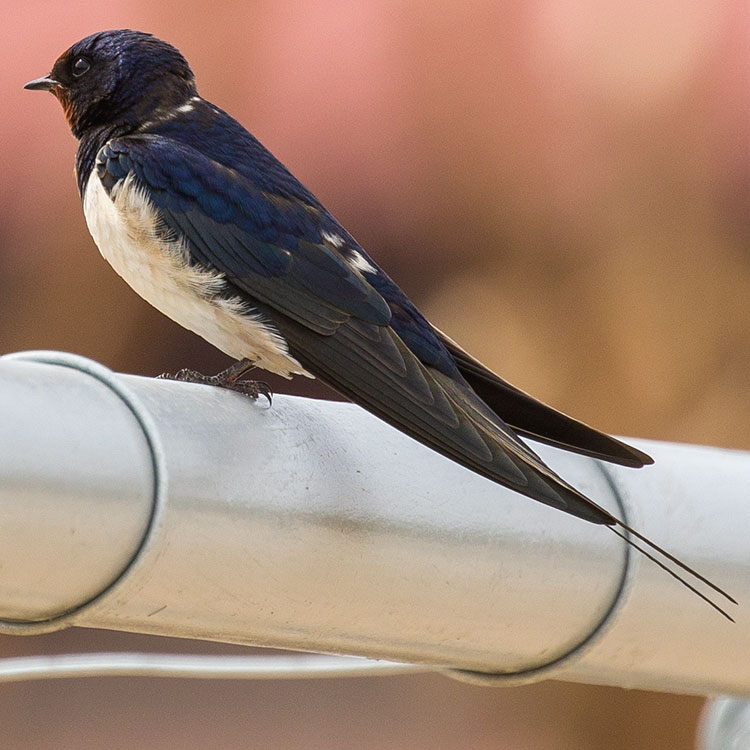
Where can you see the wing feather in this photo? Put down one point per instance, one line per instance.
(273, 253)
(535, 419)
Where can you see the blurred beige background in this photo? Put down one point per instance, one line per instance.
(561, 185)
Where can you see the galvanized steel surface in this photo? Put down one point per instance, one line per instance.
(312, 525)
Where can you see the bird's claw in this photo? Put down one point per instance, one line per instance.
(252, 388)
(228, 379)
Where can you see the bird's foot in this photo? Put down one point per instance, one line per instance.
(229, 379)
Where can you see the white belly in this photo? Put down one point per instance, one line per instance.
(123, 229)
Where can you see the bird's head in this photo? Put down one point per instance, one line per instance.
(117, 78)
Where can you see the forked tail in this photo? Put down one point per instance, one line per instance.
(675, 561)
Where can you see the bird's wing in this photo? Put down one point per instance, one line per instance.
(535, 419)
(274, 252)
(269, 244)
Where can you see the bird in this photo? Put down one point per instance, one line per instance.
(205, 224)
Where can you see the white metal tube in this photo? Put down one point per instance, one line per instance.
(724, 725)
(312, 525)
(76, 488)
(195, 666)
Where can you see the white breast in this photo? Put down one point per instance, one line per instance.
(123, 227)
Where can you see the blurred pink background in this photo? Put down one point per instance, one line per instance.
(561, 186)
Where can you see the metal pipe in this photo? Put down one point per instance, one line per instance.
(724, 725)
(196, 666)
(77, 487)
(314, 526)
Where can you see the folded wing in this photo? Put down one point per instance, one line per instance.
(276, 254)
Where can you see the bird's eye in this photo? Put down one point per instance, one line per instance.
(80, 66)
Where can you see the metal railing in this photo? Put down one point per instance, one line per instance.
(151, 506)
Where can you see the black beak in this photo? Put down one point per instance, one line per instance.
(42, 84)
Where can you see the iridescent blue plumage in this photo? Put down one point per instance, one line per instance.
(206, 224)
(206, 180)
(262, 242)
(214, 191)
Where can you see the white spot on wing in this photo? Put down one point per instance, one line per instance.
(360, 263)
(332, 239)
(123, 228)
(164, 115)
(354, 258)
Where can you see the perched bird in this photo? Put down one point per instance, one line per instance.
(210, 228)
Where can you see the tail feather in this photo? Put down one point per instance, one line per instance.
(450, 417)
(536, 420)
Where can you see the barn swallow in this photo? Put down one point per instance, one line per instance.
(209, 227)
